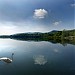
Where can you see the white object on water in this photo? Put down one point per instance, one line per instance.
(6, 59)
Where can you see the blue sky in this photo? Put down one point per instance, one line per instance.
(18, 16)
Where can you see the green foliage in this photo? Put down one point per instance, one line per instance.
(56, 36)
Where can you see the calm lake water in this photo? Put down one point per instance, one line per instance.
(36, 58)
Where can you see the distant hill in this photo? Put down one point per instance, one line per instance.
(54, 34)
(53, 31)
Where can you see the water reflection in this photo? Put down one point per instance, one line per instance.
(35, 58)
(61, 41)
(6, 59)
(56, 50)
(40, 59)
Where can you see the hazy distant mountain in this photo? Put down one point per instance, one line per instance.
(53, 31)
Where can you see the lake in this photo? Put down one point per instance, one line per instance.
(36, 58)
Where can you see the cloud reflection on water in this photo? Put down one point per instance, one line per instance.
(39, 59)
(56, 50)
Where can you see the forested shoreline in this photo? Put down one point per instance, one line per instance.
(64, 36)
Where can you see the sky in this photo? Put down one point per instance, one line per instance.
(19, 16)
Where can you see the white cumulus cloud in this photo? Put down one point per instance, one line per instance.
(40, 13)
(57, 23)
(73, 5)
